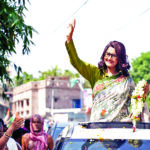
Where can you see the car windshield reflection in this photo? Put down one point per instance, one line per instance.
(87, 144)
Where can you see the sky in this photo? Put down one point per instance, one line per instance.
(97, 23)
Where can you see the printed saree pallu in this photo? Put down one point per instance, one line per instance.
(111, 98)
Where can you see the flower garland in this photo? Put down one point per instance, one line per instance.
(137, 102)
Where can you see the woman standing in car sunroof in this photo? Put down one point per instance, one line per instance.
(111, 82)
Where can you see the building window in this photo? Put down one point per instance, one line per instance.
(27, 102)
(76, 103)
(22, 104)
(27, 112)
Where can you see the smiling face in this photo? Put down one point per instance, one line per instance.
(37, 124)
(110, 58)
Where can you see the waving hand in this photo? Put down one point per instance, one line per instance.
(71, 30)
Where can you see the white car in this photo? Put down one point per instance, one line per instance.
(104, 136)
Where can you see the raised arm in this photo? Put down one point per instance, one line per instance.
(71, 28)
(17, 123)
(88, 71)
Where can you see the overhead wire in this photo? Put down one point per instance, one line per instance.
(145, 11)
(70, 16)
(135, 18)
(78, 9)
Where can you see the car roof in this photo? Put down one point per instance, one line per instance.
(64, 124)
(107, 130)
(61, 124)
(110, 133)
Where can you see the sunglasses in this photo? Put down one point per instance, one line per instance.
(107, 54)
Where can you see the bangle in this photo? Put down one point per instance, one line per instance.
(6, 135)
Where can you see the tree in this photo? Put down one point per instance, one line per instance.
(53, 72)
(23, 78)
(86, 84)
(57, 72)
(71, 74)
(141, 70)
(13, 30)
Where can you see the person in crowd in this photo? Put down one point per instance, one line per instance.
(37, 139)
(111, 82)
(1, 133)
(17, 136)
(27, 125)
(4, 125)
(6, 142)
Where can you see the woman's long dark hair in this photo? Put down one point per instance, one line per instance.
(122, 65)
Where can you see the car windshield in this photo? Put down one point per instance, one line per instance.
(57, 132)
(91, 144)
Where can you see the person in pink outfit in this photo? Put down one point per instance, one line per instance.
(37, 139)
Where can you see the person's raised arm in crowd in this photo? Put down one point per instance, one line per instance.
(17, 123)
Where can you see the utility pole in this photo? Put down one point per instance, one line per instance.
(52, 102)
(52, 98)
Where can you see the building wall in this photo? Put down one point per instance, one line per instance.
(63, 94)
(65, 98)
(21, 95)
(39, 95)
(41, 100)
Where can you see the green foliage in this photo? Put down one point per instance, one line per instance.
(70, 74)
(25, 77)
(13, 30)
(53, 72)
(57, 72)
(141, 70)
(86, 84)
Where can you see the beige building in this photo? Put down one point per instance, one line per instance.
(47, 97)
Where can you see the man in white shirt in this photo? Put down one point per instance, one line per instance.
(12, 145)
